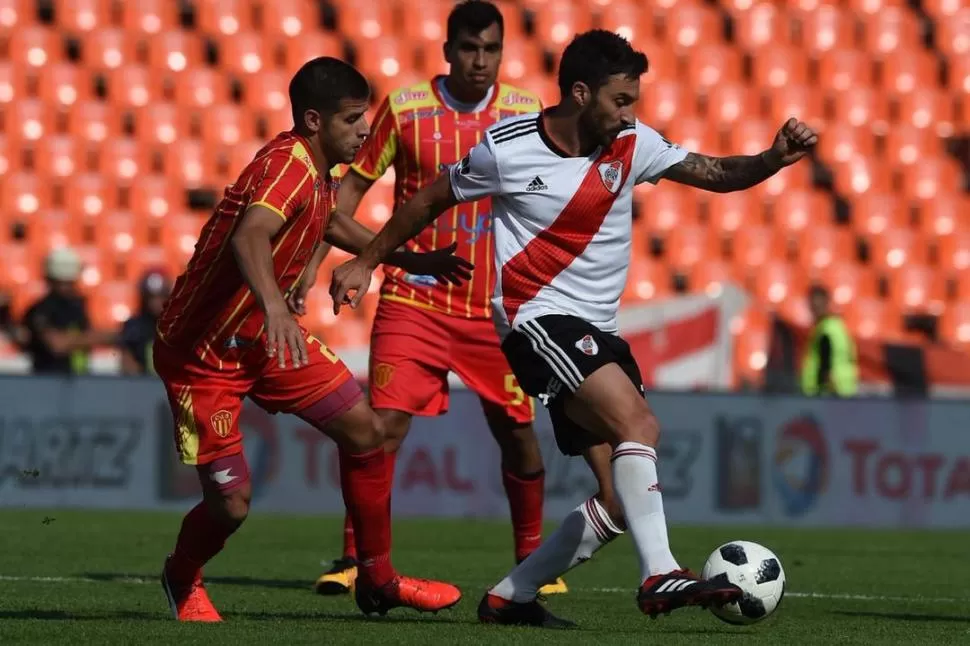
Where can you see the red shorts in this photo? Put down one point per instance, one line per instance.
(413, 350)
(206, 402)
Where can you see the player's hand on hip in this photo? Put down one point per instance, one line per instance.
(442, 264)
(794, 140)
(284, 334)
(352, 277)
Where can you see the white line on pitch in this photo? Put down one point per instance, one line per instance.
(796, 595)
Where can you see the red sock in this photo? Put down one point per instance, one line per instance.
(367, 496)
(525, 503)
(350, 545)
(200, 538)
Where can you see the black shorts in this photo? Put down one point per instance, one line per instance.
(552, 355)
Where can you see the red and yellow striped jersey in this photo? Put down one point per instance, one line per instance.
(420, 135)
(212, 312)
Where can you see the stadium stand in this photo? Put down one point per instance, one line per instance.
(117, 116)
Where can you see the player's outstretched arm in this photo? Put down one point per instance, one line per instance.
(253, 249)
(735, 173)
(409, 220)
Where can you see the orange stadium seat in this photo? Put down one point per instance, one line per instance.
(179, 236)
(728, 103)
(57, 157)
(661, 101)
(386, 58)
(777, 282)
(29, 120)
(663, 63)
(556, 25)
(223, 17)
(959, 79)
(520, 59)
(18, 268)
(761, 25)
(845, 69)
(875, 213)
(953, 33)
(955, 324)
(929, 108)
(288, 18)
(690, 25)
(8, 162)
(189, 163)
(123, 159)
(897, 248)
(162, 123)
(245, 53)
(953, 253)
(847, 280)
(871, 7)
(151, 257)
(429, 60)
(942, 9)
(687, 246)
(267, 91)
(153, 197)
(226, 125)
(243, 153)
(430, 24)
(909, 70)
(311, 45)
(906, 145)
(750, 137)
(134, 86)
(797, 177)
(83, 15)
(35, 46)
(665, 207)
(861, 106)
(15, 14)
(918, 288)
(819, 246)
(64, 84)
(13, 83)
(375, 209)
(365, 19)
(89, 195)
(752, 339)
(753, 246)
(56, 229)
(546, 88)
(858, 175)
(944, 214)
(629, 20)
(693, 133)
(712, 64)
(803, 102)
(201, 87)
(932, 176)
(826, 28)
(891, 29)
(174, 51)
(149, 17)
(711, 276)
(796, 210)
(24, 195)
(646, 280)
(121, 233)
(870, 318)
(778, 67)
(108, 49)
(94, 121)
(112, 304)
(729, 212)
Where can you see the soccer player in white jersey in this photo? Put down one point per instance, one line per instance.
(561, 184)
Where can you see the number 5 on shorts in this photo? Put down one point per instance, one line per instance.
(516, 394)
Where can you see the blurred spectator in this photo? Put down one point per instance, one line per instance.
(57, 331)
(830, 365)
(138, 332)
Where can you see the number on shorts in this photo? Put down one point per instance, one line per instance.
(516, 392)
(324, 350)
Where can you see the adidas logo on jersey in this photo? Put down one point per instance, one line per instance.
(536, 185)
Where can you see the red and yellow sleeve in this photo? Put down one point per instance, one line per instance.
(379, 150)
(285, 185)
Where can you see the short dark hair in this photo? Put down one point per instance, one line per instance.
(818, 291)
(322, 83)
(473, 16)
(594, 56)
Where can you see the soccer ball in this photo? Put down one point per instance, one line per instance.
(753, 568)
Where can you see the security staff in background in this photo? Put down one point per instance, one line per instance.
(138, 332)
(56, 329)
(830, 365)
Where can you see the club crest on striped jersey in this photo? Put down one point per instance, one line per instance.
(612, 175)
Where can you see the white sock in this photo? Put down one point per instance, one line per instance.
(635, 480)
(586, 529)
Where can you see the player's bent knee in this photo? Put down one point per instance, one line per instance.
(395, 426)
(357, 430)
(227, 488)
(642, 428)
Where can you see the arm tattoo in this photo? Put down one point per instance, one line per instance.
(722, 174)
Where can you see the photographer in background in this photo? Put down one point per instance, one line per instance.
(57, 331)
(138, 332)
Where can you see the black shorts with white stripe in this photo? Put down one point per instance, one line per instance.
(552, 355)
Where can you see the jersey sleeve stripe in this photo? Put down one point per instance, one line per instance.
(271, 207)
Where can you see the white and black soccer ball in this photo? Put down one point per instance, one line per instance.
(757, 571)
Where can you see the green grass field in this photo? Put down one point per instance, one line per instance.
(81, 577)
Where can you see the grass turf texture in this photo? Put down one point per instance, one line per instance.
(91, 577)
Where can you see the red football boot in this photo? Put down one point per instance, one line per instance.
(422, 595)
(189, 602)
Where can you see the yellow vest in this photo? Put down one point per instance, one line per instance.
(844, 375)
